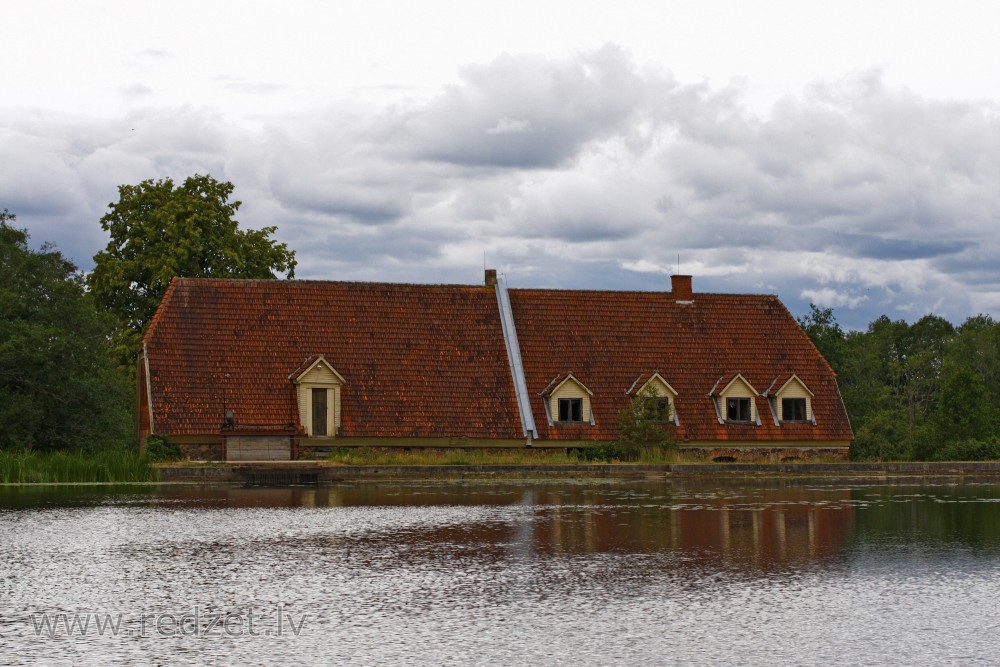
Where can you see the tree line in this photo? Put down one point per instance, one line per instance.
(924, 391)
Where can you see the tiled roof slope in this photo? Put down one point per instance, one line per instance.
(607, 339)
(417, 360)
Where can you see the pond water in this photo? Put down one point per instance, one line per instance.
(589, 573)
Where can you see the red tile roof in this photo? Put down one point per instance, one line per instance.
(610, 338)
(417, 360)
(430, 360)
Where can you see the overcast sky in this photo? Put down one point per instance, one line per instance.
(845, 153)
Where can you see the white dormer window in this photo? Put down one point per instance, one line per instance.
(318, 385)
(568, 401)
(790, 400)
(653, 388)
(735, 400)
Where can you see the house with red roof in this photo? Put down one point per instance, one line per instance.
(265, 369)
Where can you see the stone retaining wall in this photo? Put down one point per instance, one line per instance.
(316, 473)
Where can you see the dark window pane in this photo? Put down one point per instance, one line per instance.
(570, 409)
(738, 409)
(793, 409)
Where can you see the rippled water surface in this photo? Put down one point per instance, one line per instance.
(588, 573)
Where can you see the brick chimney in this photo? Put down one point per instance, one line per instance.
(680, 286)
(491, 277)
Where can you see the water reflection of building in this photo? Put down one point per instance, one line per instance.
(749, 524)
(765, 528)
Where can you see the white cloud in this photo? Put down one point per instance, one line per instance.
(831, 298)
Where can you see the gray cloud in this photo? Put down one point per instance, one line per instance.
(582, 172)
(523, 111)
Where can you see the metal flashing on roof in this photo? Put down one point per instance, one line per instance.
(514, 358)
(149, 387)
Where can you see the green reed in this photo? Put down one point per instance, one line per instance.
(25, 467)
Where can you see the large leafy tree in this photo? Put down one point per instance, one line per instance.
(158, 231)
(822, 327)
(964, 412)
(59, 384)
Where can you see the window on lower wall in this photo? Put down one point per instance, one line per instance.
(793, 409)
(738, 410)
(571, 409)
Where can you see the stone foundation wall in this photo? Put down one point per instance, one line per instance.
(201, 451)
(325, 474)
(214, 451)
(764, 454)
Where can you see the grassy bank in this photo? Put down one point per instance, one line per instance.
(365, 456)
(59, 467)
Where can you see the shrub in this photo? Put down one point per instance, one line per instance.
(608, 451)
(969, 449)
(158, 449)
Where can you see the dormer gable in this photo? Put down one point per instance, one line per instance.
(567, 400)
(790, 400)
(318, 389)
(316, 369)
(735, 400)
(653, 386)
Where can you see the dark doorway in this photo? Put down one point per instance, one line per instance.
(319, 412)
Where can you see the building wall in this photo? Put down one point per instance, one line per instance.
(258, 448)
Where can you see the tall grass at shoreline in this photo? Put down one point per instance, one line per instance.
(113, 466)
(486, 456)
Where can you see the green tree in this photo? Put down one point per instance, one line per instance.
(645, 424)
(978, 344)
(963, 412)
(59, 385)
(929, 340)
(159, 231)
(822, 328)
(860, 375)
(907, 360)
(883, 436)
